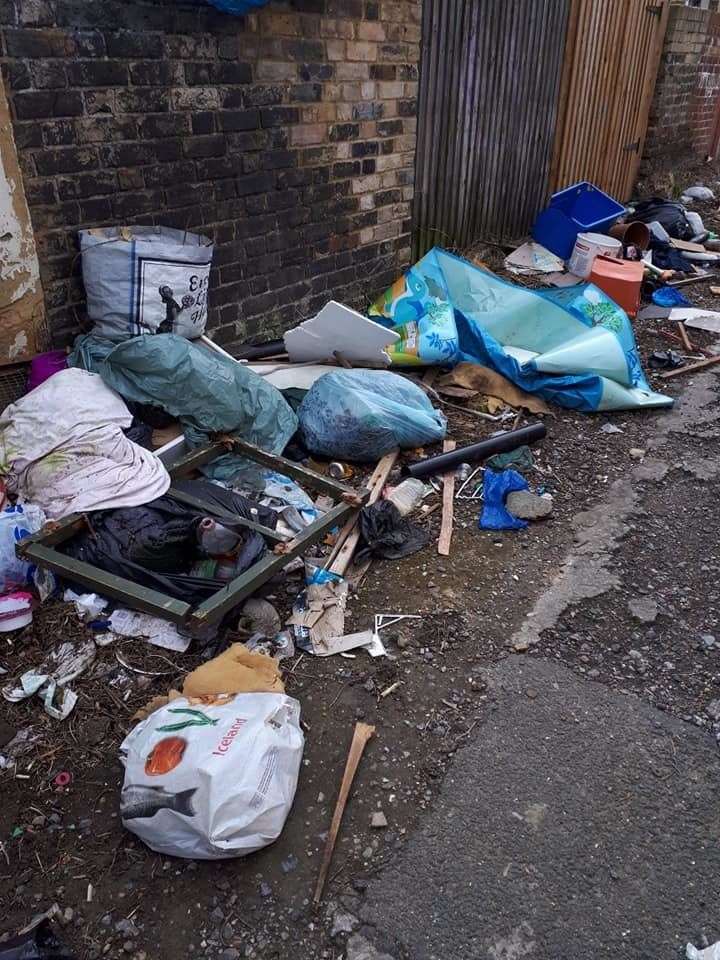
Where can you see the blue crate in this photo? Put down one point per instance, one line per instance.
(580, 208)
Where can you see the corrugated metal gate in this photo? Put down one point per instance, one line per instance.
(489, 84)
(520, 97)
(612, 55)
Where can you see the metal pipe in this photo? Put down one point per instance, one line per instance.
(503, 443)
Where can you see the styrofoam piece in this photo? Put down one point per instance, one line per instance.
(338, 328)
(284, 376)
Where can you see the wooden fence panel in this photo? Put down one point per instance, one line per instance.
(611, 63)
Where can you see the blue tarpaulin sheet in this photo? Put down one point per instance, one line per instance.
(572, 345)
(238, 6)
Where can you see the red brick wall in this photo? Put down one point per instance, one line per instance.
(287, 136)
(682, 115)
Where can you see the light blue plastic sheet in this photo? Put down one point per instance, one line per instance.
(572, 345)
(208, 393)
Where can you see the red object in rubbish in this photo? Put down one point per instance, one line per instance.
(620, 280)
(62, 780)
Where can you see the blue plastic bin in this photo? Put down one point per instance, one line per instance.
(581, 208)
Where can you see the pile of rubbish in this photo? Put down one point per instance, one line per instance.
(163, 486)
(653, 249)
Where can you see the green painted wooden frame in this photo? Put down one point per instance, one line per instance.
(40, 547)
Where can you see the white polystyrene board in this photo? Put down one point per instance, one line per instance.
(287, 375)
(337, 328)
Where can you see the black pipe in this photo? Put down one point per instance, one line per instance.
(503, 443)
(258, 351)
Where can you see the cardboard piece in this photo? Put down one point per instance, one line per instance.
(687, 245)
(473, 376)
(338, 329)
(532, 258)
(236, 670)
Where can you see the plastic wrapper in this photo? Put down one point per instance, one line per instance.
(361, 415)
(16, 523)
(212, 777)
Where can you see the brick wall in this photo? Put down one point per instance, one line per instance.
(682, 116)
(287, 136)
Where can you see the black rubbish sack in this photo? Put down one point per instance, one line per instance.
(156, 544)
(668, 213)
(387, 534)
(40, 943)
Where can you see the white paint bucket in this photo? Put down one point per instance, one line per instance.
(587, 247)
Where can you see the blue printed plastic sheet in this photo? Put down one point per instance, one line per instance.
(571, 345)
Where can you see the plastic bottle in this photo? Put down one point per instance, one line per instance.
(407, 495)
(215, 539)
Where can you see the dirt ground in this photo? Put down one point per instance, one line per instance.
(67, 846)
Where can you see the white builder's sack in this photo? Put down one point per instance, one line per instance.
(145, 280)
(214, 776)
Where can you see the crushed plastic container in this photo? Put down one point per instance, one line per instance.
(580, 208)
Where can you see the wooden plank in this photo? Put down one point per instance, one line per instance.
(197, 503)
(652, 67)
(314, 480)
(700, 365)
(344, 554)
(687, 245)
(362, 733)
(108, 584)
(448, 503)
(684, 337)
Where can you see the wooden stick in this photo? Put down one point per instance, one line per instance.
(362, 733)
(700, 365)
(446, 524)
(349, 536)
(684, 337)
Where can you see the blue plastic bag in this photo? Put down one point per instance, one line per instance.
(496, 487)
(670, 297)
(363, 414)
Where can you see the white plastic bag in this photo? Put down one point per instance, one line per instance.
(709, 953)
(212, 777)
(146, 280)
(16, 523)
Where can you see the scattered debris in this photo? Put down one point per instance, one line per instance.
(378, 820)
(529, 506)
(644, 609)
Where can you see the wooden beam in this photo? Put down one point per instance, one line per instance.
(684, 337)
(448, 505)
(700, 365)
(109, 584)
(362, 733)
